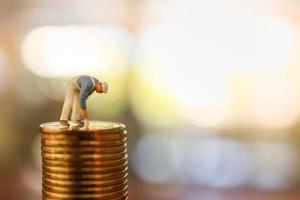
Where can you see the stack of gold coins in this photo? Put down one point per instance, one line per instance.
(84, 163)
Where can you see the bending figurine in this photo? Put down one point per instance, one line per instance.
(78, 90)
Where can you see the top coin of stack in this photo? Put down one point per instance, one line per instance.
(81, 163)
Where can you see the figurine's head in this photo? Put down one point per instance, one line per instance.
(101, 87)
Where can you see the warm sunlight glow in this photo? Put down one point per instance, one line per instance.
(275, 102)
(193, 62)
(71, 50)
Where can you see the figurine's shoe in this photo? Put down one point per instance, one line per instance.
(64, 123)
(79, 123)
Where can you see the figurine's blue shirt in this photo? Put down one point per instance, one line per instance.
(87, 87)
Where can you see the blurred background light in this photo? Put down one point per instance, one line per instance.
(7, 145)
(154, 158)
(208, 160)
(260, 44)
(31, 92)
(60, 51)
(194, 159)
(151, 106)
(216, 162)
(193, 66)
(53, 89)
(3, 70)
(275, 164)
(30, 178)
(275, 101)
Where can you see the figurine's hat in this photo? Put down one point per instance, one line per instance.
(104, 87)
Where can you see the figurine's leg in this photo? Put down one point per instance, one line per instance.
(70, 93)
(76, 108)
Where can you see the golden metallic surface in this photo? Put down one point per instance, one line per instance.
(84, 143)
(66, 156)
(114, 156)
(84, 170)
(56, 198)
(94, 149)
(102, 183)
(92, 137)
(121, 198)
(105, 196)
(106, 176)
(93, 163)
(94, 127)
(85, 190)
(84, 163)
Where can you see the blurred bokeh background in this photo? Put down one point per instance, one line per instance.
(209, 91)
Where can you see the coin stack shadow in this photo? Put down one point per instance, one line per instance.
(84, 164)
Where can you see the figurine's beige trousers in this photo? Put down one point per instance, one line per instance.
(71, 101)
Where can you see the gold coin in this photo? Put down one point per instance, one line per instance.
(64, 183)
(76, 131)
(108, 196)
(52, 149)
(82, 170)
(94, 137)
(106, 176)
(47, 197)
(85, 190)
(77, 185)
(85, 158)
(94, 127)
(86, 184)
(89, 169)
(59, 143)
(50, 198)
(97, 157)
(90, 150)
(62, 150)
(59, 163)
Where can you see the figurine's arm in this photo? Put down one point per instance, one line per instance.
(84, 113)
(83, 97)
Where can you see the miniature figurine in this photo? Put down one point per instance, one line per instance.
(78, 90)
